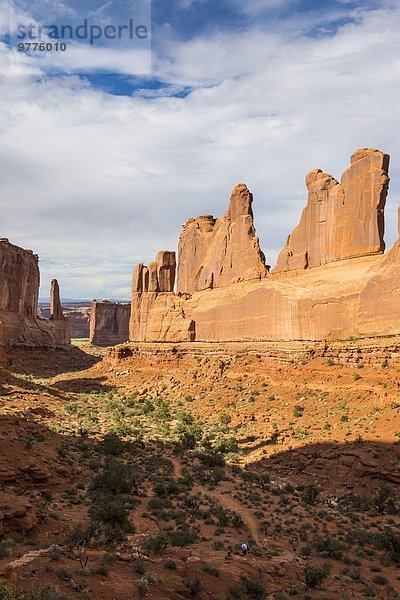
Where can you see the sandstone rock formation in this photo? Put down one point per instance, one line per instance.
(166, 268)
(56, 312)
(341, 220)
(152, 294)
(218, 252)
(77, 315)
(19, 280)
(109, 323)
(16, 514)
(19, 291)
(353, 289)
(380, 299)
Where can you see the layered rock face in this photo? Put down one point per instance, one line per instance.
(218, 252)
(19, 291)
(153, 297)
(109, 323)
(353, 288)
(19, 280)
(341, 220)
(380, 299)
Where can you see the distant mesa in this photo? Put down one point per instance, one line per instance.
(109, 323)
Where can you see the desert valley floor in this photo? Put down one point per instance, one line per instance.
(139, 471)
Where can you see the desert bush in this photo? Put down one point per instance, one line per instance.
(6, 548)
(248, 588)
(170, 564)
(165, 486)
(389, 541)
(383, 501)
(154, 545)
(298, 411)
(110, 520)
(182, 537)
(159, 504)
(211, 570)
(112, 445)
(194, 586)
(189, 432)
(329, 546)
(314, 576)
(117, 478)
(139, 567)
(310, 494)
(48, 592)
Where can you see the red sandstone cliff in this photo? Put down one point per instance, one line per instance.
(19, 291)
(218, 252)
(109, 323)
(352, 291)
(341, 220)
(153, 296)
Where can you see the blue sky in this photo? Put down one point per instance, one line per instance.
(103, 160)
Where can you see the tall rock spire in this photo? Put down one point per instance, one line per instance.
(56, 313)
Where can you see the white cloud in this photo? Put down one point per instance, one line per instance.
(95, 182)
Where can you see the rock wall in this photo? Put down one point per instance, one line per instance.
(380, 299)
(19, 291)
(157, 313)
(341, 220)
(79, 323)
(109, 323)
(19, 280)
(214, 253)
(353, 289)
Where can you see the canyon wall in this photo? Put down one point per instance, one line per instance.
(19, 292)
(109, 323)
(332, 280)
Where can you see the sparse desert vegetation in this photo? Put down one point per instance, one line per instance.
(140, 474)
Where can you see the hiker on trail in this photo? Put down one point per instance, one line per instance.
(244, 549)
(295, 543)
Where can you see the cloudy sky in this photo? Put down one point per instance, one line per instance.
(103, 155)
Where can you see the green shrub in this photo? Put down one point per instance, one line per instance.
(248, 588)
(117, 478)
(165, 486)
(139, 567)
(314, 576)
(154, 545)
(330, 546)
(194, 586)
(383, 500)
(6, 548)
(48, 592)
(298, 411)
(310, 494)
(211, 570)
(389, 541)
(111, 520)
